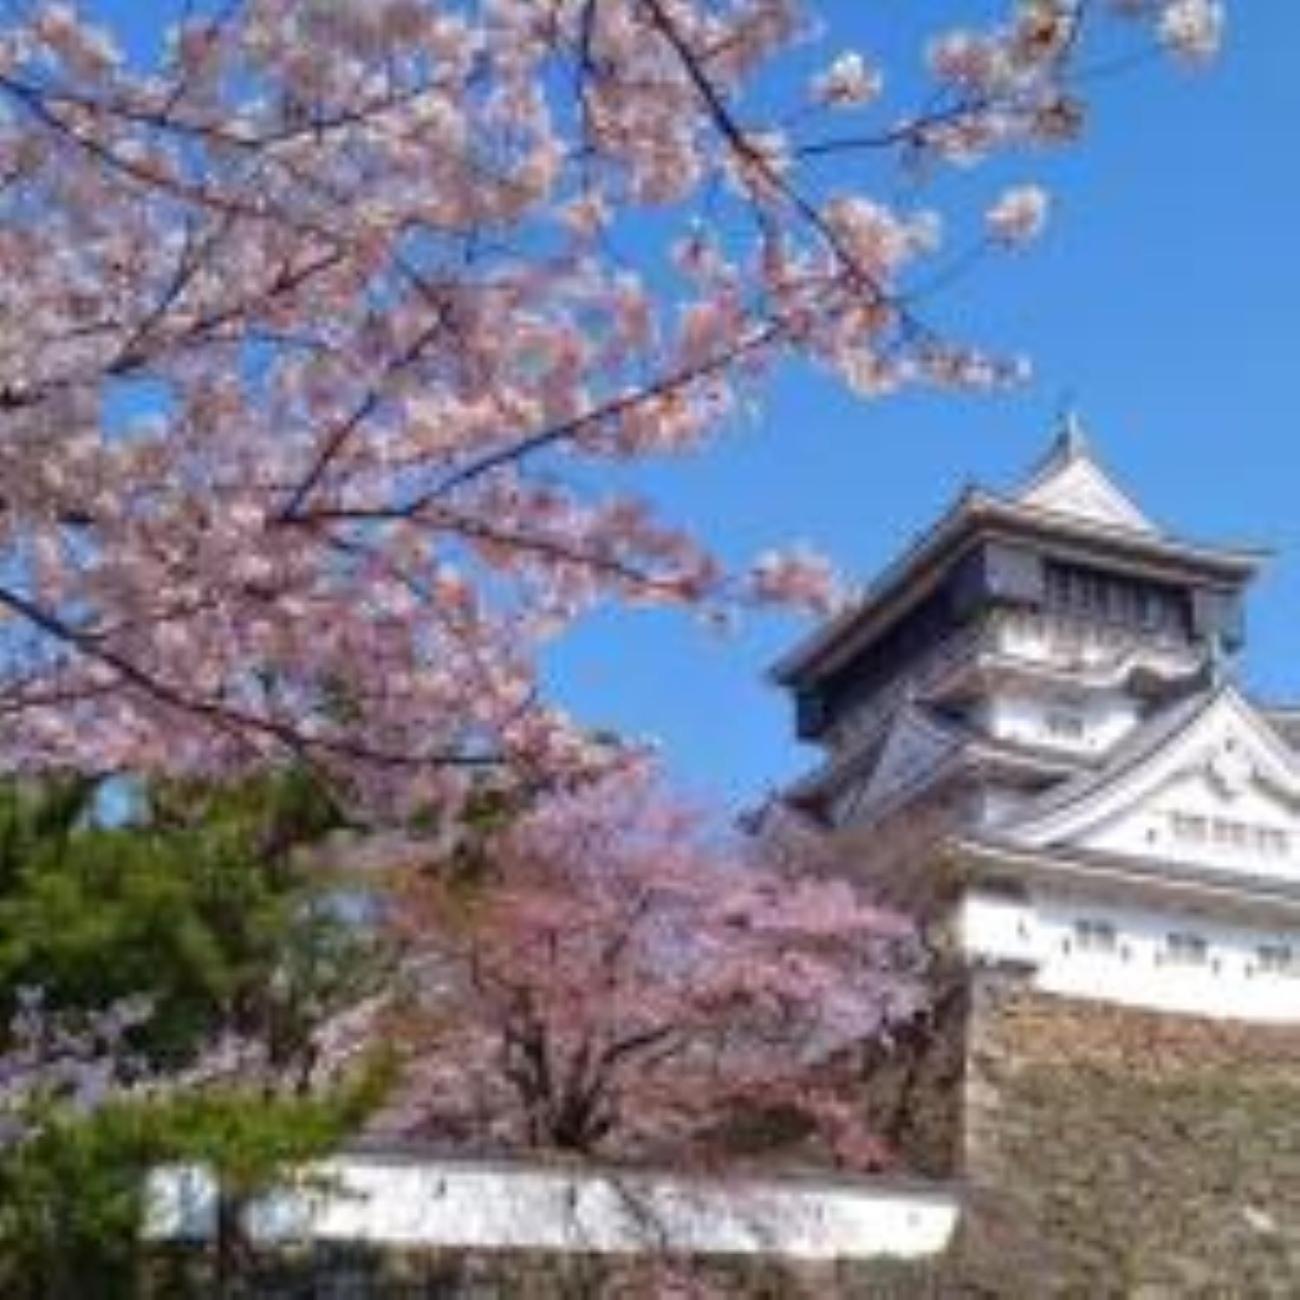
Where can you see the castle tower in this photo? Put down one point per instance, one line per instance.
(1033, 740)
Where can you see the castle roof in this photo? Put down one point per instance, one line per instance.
(1207, 789)
(912, 749)
(1069, 505)
(1070, 481)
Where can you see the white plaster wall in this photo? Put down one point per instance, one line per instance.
(1039, 931)
(402, 1202)
(1104, 718)
(1233, 827)
(1077, 645)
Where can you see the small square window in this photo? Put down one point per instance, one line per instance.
(1189, 827)
(1277, 959)
(1067, 726)
(1094, 935)
(1186, 948)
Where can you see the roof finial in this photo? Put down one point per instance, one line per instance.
(1218, 663)
(1070, 437)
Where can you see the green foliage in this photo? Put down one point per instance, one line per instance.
(73, 1197)
(71, 1204)
(209, 902)
(248, 1139)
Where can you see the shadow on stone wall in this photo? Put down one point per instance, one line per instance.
(357, 1274)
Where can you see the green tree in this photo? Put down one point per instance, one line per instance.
(213, 909)
(74, 1194)
(208, 902)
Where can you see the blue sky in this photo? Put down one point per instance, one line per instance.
(1165, 299)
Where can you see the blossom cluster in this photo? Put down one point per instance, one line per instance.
(620, 975)
(318, 336)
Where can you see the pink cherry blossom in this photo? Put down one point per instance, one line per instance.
(797, 576)
(849, 81)
(614, 974)
(1019, 216)
(969, 59)
(318, 335)
(1192, 29)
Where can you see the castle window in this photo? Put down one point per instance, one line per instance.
(1093, 935)
(1064, 725)
(1277, 843)
(1277, 959)
(1229, 834)
(1189, 827)
(1186, 948)
(1118, 599)
(1266, 841)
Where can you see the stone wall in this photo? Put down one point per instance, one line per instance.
(360, 1274)
(913, 1083)
(1117, 1152)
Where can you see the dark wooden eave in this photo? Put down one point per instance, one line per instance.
(978, 517)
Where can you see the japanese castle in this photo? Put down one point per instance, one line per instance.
(1033, 743)
(1033, 739)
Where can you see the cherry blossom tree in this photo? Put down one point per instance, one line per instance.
(318, 332)
(616, 977)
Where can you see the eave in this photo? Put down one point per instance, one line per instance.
(979, 670)
(972, 756)
(1224, 892)
(979, 516)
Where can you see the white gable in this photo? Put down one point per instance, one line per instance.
(1077, 486)
(1222, 793)
(912, 749)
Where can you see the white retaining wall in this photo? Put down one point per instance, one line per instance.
(398, 1201)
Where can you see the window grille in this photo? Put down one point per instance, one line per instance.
(1186, 948)
(1117, 599)
(1094, 935)
(1277, 959)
